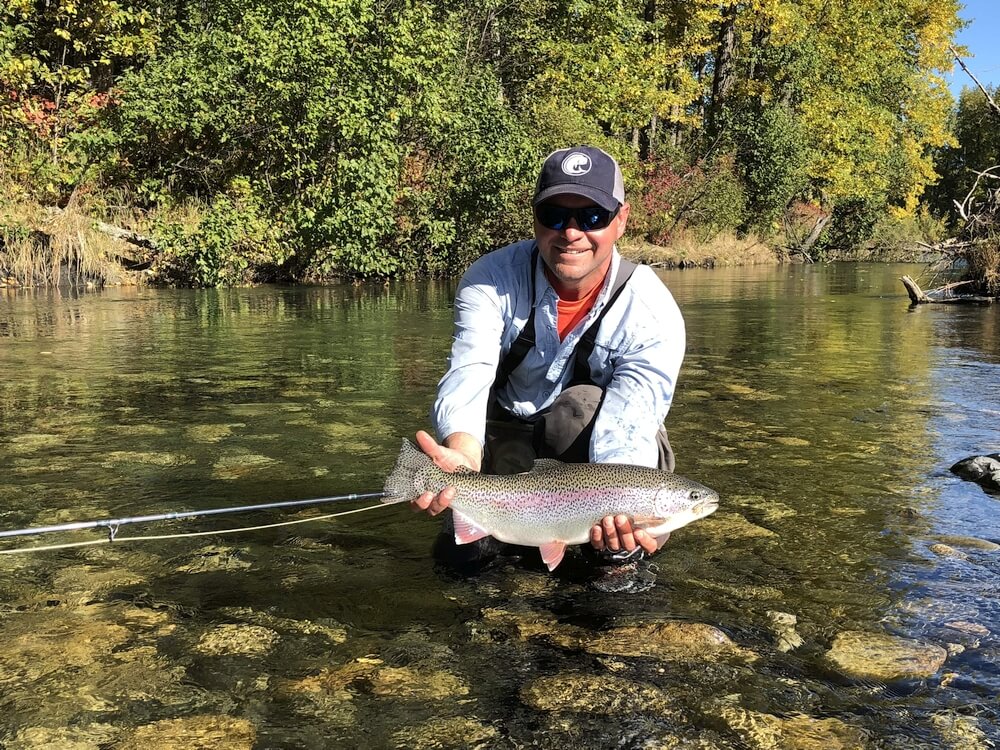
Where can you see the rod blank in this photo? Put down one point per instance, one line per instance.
(113, 523)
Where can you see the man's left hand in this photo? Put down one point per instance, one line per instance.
(615, 533)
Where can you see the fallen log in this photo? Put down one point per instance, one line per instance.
(919, 297)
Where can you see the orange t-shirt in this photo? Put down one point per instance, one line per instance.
(573, 311)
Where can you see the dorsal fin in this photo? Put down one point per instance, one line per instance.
(464, 470)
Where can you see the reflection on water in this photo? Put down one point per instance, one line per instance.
(823, 409)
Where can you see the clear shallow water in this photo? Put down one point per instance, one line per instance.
(824, 411)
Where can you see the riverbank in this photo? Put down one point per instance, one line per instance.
(48, 246)
(686, 251)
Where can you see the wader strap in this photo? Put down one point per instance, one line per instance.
(584, 348)
(524, 341)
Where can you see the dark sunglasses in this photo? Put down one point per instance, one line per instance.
(588, 218)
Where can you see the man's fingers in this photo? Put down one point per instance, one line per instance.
(623, 525)
(422, 502)
(444, 498)
(610, 534)
(597, 537)
(432, 503)
(647, 542)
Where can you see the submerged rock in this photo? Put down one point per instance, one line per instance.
(335, 634)
(944, 550)
(769, 732)
(419, 683)
(968, 542)
(193, 733)
(209, 433)
(216, 557)
(445, 733)
(525, 624)
(80, 584)
(92, 737)
(960, 732)
(884, 657)
(783, 627)
(671, 640)
(238, 465)
(232, 639)
(600, 694)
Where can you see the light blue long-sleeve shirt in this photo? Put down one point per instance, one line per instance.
(638, 353)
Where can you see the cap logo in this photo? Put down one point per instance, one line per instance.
(576, 164)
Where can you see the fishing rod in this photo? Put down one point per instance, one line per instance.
(112, 524)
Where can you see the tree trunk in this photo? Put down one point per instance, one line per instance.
(725, 71)
(814, 235)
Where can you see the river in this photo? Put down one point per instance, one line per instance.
(824, 410)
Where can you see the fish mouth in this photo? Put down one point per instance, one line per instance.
(705, 508)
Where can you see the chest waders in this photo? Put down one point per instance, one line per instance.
(562, 431)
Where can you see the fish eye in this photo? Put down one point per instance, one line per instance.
(695, 495)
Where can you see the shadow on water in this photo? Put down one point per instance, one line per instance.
(823, 410)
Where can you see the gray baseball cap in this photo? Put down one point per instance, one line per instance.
(581, 170)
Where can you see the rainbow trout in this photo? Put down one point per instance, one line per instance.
(555, 504)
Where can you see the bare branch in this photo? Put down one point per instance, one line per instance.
(993, 105)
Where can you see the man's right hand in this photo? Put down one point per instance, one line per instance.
(459, 450)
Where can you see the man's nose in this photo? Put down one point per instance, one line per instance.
(572, 229)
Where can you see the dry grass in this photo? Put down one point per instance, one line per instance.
(42, 246)
(685, 249)
(984, 265)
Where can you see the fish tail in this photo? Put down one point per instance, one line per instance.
(408, 479)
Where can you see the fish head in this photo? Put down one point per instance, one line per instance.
(680, 501)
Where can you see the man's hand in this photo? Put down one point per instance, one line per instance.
(615, 533)
(459, 449)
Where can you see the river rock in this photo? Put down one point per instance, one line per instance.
(884, 657)
(82, 638)
(670, 640)
(417, 683)
(767, 732)
(237, 639)
(216, 557)
(445, 733)
(783, 627)
(525, 624)
(237, 465)
(91, 737)
(601, 694)
(731, 526)
(983, 470)
(944, 550)
(193, 733)
(960, 732)
(333, 633)
(79, 584)
(968, 542)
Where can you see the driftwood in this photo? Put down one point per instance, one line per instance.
(919, 297)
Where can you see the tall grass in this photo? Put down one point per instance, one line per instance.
(42, 246)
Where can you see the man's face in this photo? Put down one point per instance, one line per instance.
(577, 260)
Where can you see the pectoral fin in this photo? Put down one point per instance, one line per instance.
(467, 530)
(647, 522)
(552, 553)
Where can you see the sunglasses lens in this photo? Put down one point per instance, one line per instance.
(592, 217)
(588, 219)
(553, 217)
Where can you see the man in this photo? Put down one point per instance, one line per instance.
(559, 351)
